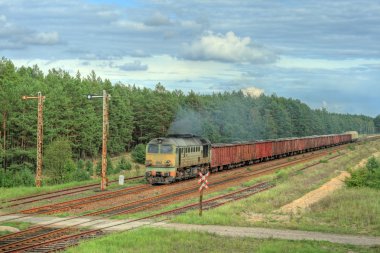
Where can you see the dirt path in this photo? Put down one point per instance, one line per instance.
(302, 204)
(275, 233)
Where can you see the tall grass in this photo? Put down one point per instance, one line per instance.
(355, 213)
(165, 240)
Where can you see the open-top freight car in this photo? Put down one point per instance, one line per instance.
(179, 157)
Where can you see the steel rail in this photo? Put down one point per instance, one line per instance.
(59, 192)
(219, 197)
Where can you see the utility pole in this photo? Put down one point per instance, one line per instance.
(106, 98)
(40, 134)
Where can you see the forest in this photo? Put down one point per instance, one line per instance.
(140, 114)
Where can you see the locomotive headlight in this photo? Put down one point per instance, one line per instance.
(168, 163)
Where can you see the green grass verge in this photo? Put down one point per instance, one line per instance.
(165, 240)
(19, 225)
(18, 192)
(336, 214)
(349, 209)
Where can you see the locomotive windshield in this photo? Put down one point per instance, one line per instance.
(166, 149)
(162, 149)
(152, 148)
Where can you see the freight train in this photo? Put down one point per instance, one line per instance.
(182, 156)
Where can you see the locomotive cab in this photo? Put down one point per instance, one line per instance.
(161, 160)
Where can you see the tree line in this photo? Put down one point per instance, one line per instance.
(140, 114)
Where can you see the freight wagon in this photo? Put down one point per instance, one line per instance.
(179, 157)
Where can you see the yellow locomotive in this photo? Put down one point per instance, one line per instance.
(176, 157)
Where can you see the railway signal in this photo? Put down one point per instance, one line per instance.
(204, 185)
(40, 134)
(106, 97)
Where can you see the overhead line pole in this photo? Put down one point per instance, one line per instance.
(104, 140)
(106, 98)
(40, 134)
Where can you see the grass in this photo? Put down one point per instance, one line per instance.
(17, 192)
(165, 240)
(347, 211)
(19, 225)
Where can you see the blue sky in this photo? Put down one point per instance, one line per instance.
(325, 53)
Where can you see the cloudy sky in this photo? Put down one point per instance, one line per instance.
(325, 53)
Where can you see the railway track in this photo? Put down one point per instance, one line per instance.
(66, 205)
(222, 199)
(51, 240)
(56, 194)
(142, 205)
(58, 239)
(77, 203)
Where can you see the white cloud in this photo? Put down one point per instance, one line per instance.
(3, 19)
(327, 64)
(158, 19)
(252, 91)
(134, 66)
(227, 48)
(131, 25)
(43, 38)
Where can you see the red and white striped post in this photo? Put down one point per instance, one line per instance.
(203, 182)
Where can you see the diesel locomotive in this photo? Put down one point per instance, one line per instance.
(176, 157)
(182, 156)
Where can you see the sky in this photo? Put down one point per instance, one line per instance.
(324, 53)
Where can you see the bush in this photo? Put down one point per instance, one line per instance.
(367, 177)
(110, 169)
(124, 164)
(80, 164)
(138, 154)
(24, 178)
(17, 177)
(80, 175)
(372, 165)
(58, 162)
(89, 167)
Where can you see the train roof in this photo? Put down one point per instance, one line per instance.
(195, 140)
(181, 140)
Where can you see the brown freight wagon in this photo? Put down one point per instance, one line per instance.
(263, 150)
(282, 147)
(231, 155)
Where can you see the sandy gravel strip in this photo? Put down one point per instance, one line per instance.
(275, 233)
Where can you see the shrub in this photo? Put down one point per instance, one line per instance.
(89, 167)
(110, 169)
(58, 162)
(24, 178)
(138, 154)
(17, 177)
(367, 177)
(80, 175)
(124, 165)
(282, 175)
(80, 164)
(372, 165)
